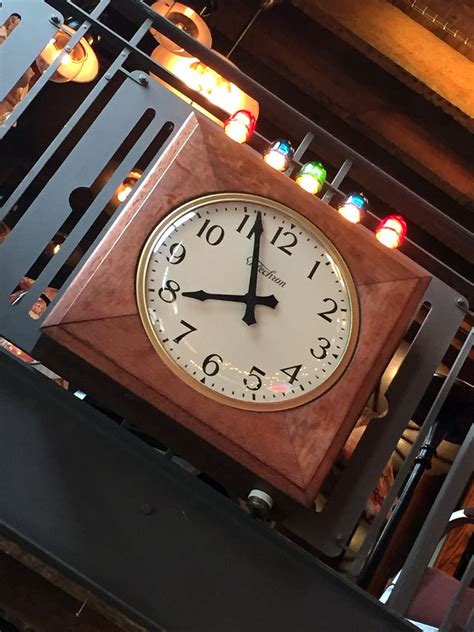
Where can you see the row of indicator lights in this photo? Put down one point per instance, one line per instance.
(391, 231)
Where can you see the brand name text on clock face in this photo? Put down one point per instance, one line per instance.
(267, 272)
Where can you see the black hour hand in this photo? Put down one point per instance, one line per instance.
(201, 295)
(268, 301)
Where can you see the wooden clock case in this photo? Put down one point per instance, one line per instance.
(96, 323)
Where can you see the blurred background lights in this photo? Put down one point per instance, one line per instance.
(127, 185)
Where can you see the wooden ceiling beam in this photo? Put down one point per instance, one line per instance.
(357, 91)
(404, 48)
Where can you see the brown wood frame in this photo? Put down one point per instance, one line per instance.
(97, 317)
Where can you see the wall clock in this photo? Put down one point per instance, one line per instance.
(234, 315)
(247, 301)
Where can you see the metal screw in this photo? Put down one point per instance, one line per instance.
(68, 48)
(341, 542)
(108, 76)
(462, 303)
(147, 509)
(55, 19)
(259, 503)
(143, 80)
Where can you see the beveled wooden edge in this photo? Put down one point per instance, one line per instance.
(416, 288)
(65, 300)
(69, 335)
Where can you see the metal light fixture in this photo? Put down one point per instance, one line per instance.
(186, 19)
(80, 64)
(203, 79)
(311, 177)
(391, 231)
(193, 72)
(353, 207)
(20, 89)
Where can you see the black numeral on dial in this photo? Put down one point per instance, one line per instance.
(177, 253)
(242, 224)
(210, 366)
(313, 269)
(190, 329)
(333, 309)
(255, 383)
(291, 241)
(292, 372)
(169, 291)
(213, 235)
(324, 345)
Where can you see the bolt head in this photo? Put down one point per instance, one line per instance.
(143, 79)
(462, 303)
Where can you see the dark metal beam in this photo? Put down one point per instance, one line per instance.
(111, 513)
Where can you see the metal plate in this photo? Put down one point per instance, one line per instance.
(46, 214)
(26, 41)
(146, 536)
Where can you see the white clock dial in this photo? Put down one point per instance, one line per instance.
(259, 332)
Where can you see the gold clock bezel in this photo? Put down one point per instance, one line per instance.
(250, 198)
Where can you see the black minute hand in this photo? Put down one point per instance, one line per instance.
(252, 301)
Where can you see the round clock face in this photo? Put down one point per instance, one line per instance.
(248, 302)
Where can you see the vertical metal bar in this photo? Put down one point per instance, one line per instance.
(470, 622)
(100, 8)
(457, 599)
(344, 505)
(65, 131)
(303, 146)
(338, 178)
(74, 119)
(141, 32)
(88, 218)
(433, 528)
(38, 86)
(408, 463)
(81, 31)
(38, 24)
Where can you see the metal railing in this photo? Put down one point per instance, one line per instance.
(103, 147)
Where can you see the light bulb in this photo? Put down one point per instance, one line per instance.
(391, 231)
(353, 207)
(203, 79)
(311, 177)
(124, 190)
(279, 155)
(240, 126)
